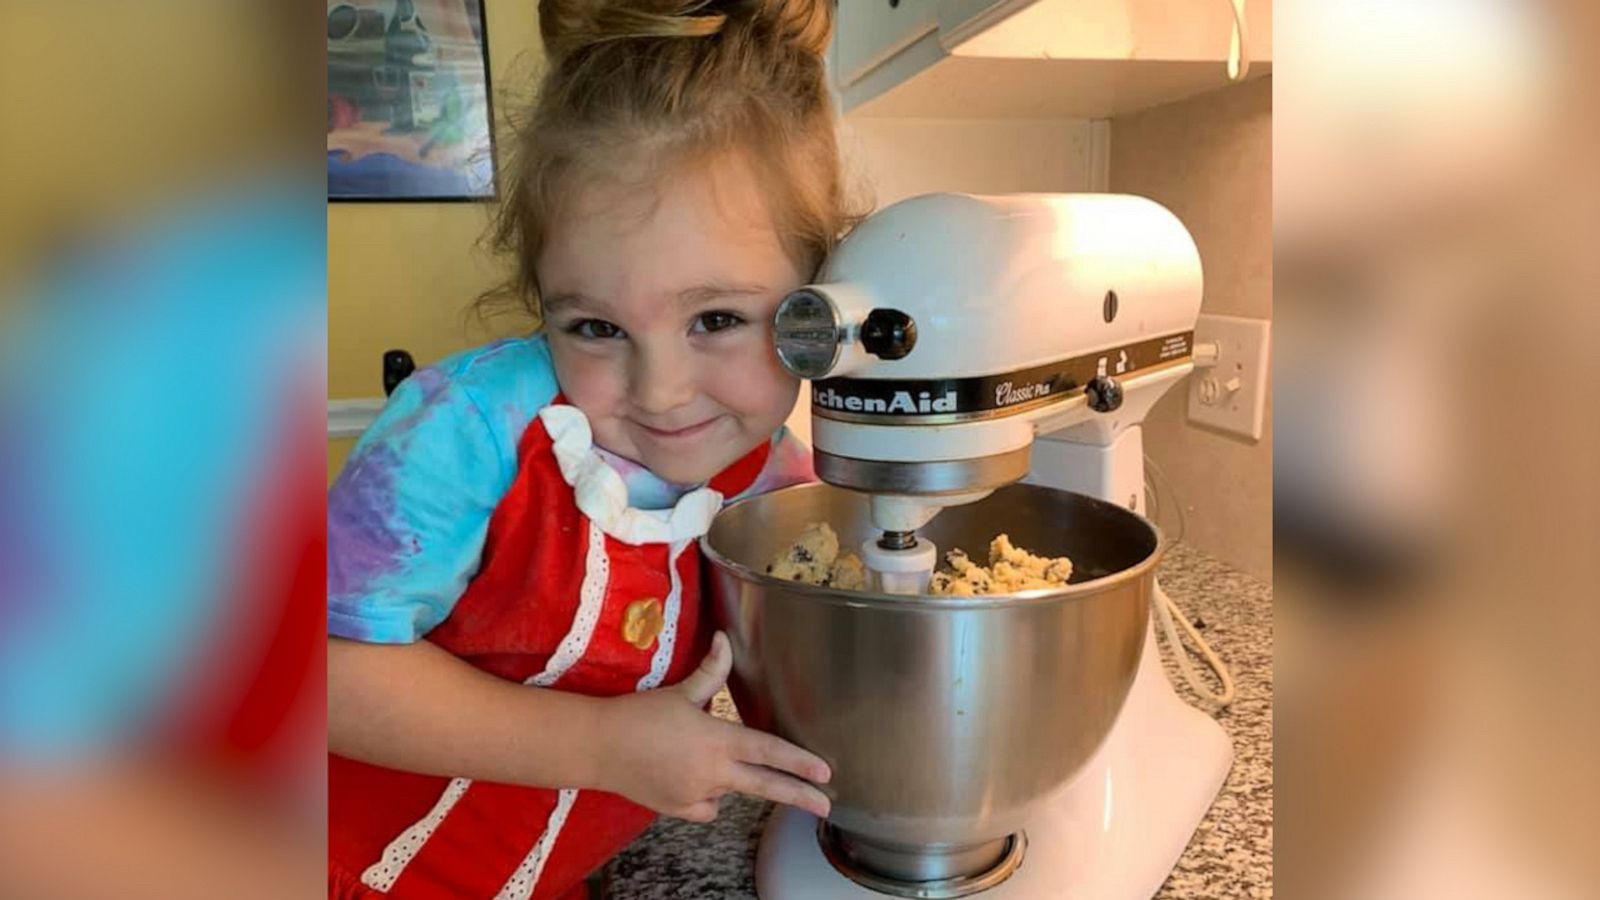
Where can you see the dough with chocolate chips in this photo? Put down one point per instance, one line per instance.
(1010, 569)
(814, 558)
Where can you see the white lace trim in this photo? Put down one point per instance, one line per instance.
(602, 496)
(520, 885)
(591, 598)
(669, 629)
(381, 875)
(603, 499)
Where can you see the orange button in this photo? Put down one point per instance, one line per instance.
(642, 622)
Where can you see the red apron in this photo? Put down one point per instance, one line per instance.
(547, 608)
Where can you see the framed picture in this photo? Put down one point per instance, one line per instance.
(409, 116)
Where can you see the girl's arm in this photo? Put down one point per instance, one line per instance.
(418, 708)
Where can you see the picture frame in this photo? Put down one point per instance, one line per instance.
(410, 110)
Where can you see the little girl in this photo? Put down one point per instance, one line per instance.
(519, 660)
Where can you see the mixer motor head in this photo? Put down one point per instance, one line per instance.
(948, 329)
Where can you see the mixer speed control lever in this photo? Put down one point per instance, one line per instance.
(1104, 393)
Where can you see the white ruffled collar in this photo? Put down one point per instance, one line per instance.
(602, 496)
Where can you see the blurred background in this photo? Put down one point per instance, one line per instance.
(1438, 459)
(162, 368)
(165, 347)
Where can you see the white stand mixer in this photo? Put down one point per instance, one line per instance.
(941, 338)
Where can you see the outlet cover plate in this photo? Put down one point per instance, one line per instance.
(1241, 354)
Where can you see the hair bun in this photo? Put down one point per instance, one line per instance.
(568, 26)
(807, 24)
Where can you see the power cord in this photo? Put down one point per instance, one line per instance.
(1167, 609)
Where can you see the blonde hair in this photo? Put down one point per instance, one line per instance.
(659, 84)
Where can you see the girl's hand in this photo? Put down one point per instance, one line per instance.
(664, 751)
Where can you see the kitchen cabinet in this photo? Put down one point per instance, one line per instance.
(869, 32)
(1037, 58)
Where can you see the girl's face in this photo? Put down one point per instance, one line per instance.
(658, 305)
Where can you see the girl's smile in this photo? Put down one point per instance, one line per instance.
(674, 434)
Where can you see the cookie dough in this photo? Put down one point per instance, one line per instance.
(1010, 568)
(814, 558)
(849, 573)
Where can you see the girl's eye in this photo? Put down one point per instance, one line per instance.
(717, 321)
(594, 329)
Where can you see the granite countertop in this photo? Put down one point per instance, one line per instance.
(1230, 855)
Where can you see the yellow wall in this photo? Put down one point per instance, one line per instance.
(112, 114)
(403, 275)
(338, 452)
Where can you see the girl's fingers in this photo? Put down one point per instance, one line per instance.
(770, 784)
(704, 682)
(773, 752)
(704, 811)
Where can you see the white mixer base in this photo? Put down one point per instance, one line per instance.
(1113, 834)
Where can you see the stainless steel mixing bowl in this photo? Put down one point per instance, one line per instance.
(946, 720)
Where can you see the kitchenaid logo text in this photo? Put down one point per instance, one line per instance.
(1007, 395)
(897, 401)
(901, 402)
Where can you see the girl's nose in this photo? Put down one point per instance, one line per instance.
(663, 380)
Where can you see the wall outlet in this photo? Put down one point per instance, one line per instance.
(1231, 395)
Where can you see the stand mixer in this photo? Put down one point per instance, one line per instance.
(1042, 751)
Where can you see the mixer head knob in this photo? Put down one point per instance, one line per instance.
(888, 334)
(1104, 393)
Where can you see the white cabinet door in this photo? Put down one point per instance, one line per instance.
(1153, 30)
(867, 32)
(1036, 58)
(959, 20)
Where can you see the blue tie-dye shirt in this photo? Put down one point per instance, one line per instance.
(408, 517)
